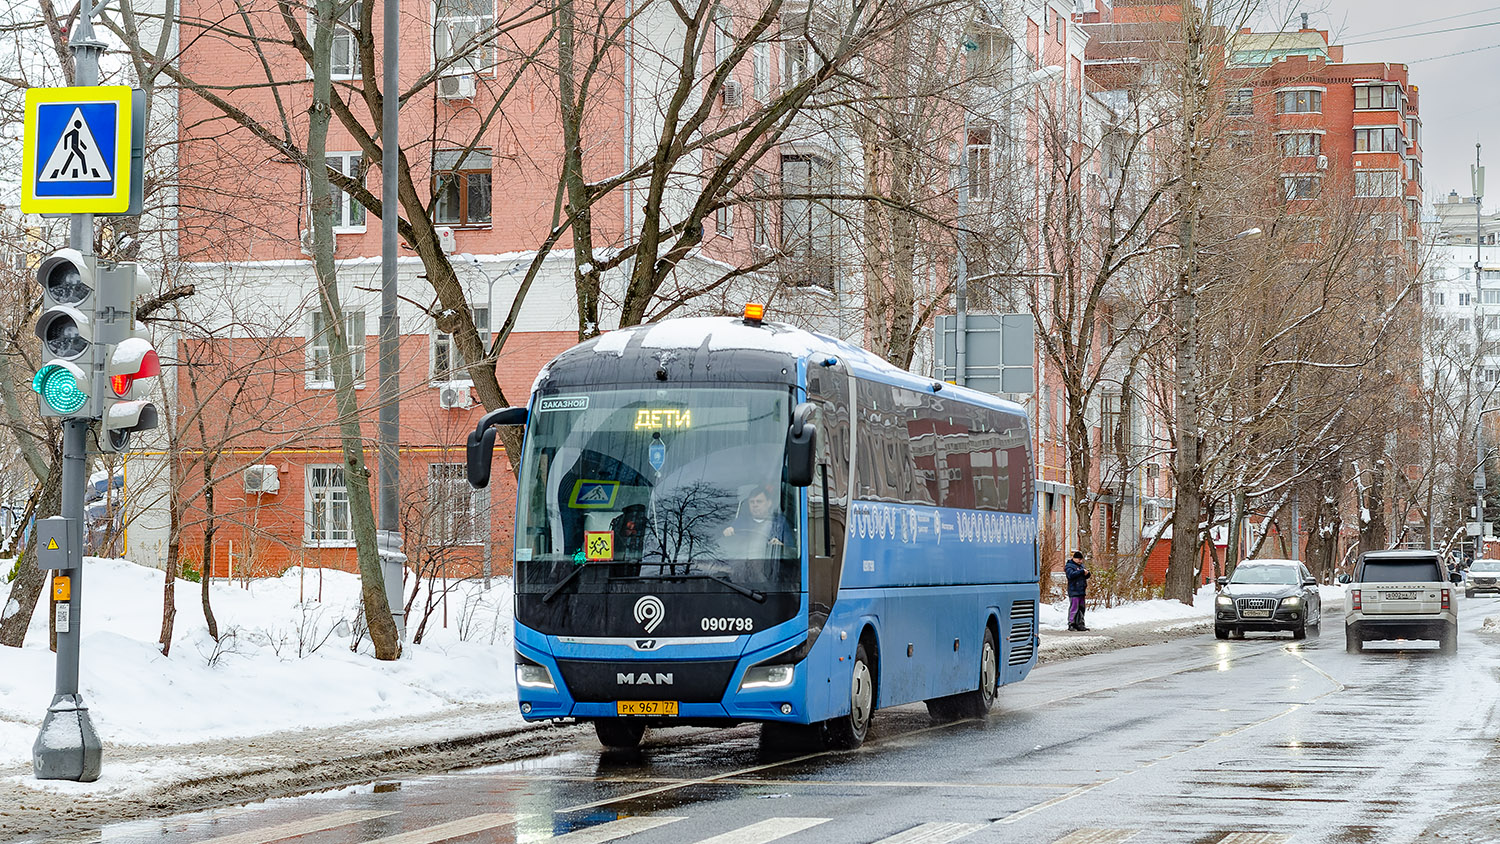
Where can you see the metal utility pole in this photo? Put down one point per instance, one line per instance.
(1479, 354)
(393, 561)
(961, 285)
(68, 748)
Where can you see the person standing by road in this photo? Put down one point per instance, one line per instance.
(1078, 584)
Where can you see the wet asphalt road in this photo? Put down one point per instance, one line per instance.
(1195, 740)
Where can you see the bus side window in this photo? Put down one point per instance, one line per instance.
(828, 497)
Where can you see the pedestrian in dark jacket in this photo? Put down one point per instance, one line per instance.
(1078, 584)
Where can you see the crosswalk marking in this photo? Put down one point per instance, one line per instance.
(766, 830)
(452, 829)
(293, 829)
(1097, 836)
(1255, 838)
(937, 832)
(612, 830)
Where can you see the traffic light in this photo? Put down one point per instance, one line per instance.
(66, 329)
(129, 360)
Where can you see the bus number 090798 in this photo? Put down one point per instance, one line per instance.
(741, 625)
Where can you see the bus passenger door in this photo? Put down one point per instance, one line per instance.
(828, 497)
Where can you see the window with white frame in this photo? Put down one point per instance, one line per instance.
(1386, 226)
(723, 214)
(1060, 28)
(347, 212)
(990, 62)
(1489, 275)
(345, 61)
(328, 506)
(1413, 131)
(1490, 297)
(1377, 139)
(462, 34)
(1300, 187)
(1301, 143)
(1377, 183)
(979, 151)
(1463, 301)
(460, 513)
(320, 348)
(806, 221)
(448, 362)
(1435, 299)
(1377, 96)
(760, 72)
(1299, 102)
(793, 62)
(723, 34)
(1491, 375)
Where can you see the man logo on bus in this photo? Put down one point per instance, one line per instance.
(649, 611)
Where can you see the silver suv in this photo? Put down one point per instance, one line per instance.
(1482, 576)
(1400, 595)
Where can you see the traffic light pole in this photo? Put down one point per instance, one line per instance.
(67, 747)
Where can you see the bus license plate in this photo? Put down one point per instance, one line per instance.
(1399, 596)
(1257, 613)
(646, 707)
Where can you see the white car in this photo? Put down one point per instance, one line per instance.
(1482, 576)
(1400, 595)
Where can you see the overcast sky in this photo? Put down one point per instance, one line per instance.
(1455, 72)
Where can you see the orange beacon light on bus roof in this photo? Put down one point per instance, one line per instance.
(754, 313)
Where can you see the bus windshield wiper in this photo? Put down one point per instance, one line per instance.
(558, 586)
(753, 594)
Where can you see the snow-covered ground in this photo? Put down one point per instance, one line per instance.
(283, 662)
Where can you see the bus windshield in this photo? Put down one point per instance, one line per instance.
(677, 483)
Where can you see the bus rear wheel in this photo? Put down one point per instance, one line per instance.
(619, 733)
(847, 732)
(976, 703)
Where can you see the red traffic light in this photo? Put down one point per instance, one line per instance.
(132, 359)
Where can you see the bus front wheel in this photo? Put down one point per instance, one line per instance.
(619, 733)
(847, 732)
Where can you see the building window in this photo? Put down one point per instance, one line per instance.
(990, 62)
(320, 354)
(1376, 183)
(1300, 187)
(328, 506)
(1435, 299)
(345, 61)
(460, 513)
(1299, 102)
(1463, 302)
(1111, 422)
(1377, 96)
(1414, 173)
(760, 72)
(1413, 130)
(462, 184)
(1302, 143)
(1491, 375)
(762, 222)
(1386, 226)
(793, 63)
(806, 222)
(723, 35)
(980, 159)
(448, 363)
(1240, 103)
(1060, 27)
(1490, 297)
(1381, 139)
(1492, 322)
(347, 212)
(461, 32)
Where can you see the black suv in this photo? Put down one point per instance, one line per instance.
(1268, 595)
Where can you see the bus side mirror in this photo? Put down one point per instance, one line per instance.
(801, 445)
(480, 451)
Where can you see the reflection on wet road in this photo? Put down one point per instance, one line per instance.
(1196, 740)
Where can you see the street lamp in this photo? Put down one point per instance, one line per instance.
(961, 284)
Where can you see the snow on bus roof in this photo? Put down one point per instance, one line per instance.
(731, 334)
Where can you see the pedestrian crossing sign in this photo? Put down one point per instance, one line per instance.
(78, 152)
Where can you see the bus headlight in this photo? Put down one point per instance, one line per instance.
(529, 675)
(768, 677)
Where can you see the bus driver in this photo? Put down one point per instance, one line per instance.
(758, 523)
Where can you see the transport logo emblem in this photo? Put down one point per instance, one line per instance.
(649, 611)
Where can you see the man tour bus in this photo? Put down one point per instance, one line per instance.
(724, 520)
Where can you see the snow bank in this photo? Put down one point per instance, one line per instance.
(1055, 616)
(283, 661)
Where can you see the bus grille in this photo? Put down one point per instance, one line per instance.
(1022, 632)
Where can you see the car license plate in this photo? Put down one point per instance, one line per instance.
(1399, 596)
(646, 707)
(1256, 613)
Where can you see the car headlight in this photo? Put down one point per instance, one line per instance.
(1225, 601)
(1293, 601)
(529, 675)
(768, 677)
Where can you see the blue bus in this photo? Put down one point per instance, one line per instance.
(725, 520)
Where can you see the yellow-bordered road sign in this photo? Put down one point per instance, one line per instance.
(76, 158)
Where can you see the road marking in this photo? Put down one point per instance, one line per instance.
(933, 833)
(1047, 804)
(612, 830)
(1255, 838)
(452, 829)
(767, 830)
(293, 829)
(1098, 836)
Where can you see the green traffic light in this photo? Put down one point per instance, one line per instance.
(59, 388)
